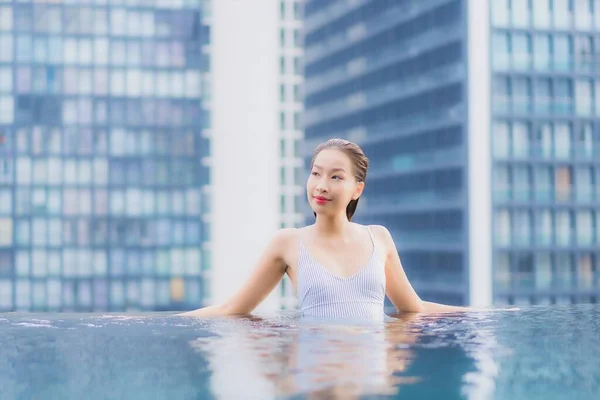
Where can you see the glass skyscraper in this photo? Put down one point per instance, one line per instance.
(102, 170)
(479, 117)
(546, 150)
(389, 75)
(290, 96)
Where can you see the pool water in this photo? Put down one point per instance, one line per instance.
(549, 352)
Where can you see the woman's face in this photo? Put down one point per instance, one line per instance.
(332, 184)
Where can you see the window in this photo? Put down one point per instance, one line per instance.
(134, 54)
(117, 83)
(562, 228)
(24, 80)
(522, 227)
(541, 13)
(543, 271)
(54, 239)
(6, 43)
(5, 202)
(23, 294)
(118, 22)
(583, 229)
(6, 110)
(521, 92)
(562, 141)
(521, 183)
(40, 171)
(40, 50)
(584, 53)
(54, 16)
(38, 264)
(85, 52)
(501, 54)
(583, 14)
(24, 170)
(54, 201)
(100, 21)
(502, 228)
(521, 51)
(562, 53)
(6, 18)
(544, 141)
(583, 184)
(520, 140)
(542, 96)
(282, 9)
(501, 183)
(134, 20)
(100, 202)
(562, 183)
(543, 227)
(542, 184)
(520, 13)
(70, 202)
(118, 53)
(501, 146)
(24, 49)
(101, 51)
(70, 81)
(6, 80)
(584, 142)
(562, 14)
(583, 97)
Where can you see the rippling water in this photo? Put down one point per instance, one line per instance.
(538, 352)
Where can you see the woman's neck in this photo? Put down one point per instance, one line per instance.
(329, 226)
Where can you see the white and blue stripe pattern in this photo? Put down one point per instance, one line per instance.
(323, 294)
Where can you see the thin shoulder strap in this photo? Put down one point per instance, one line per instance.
(371, 235)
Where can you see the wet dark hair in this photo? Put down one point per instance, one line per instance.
(360, 164)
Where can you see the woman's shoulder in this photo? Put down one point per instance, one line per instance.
(379, 231)
(286, 236)
(382, 234)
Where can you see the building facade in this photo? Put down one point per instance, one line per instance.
(102, 154)
(546, 150)
(390, 76)
(478, 117)
(292, 178)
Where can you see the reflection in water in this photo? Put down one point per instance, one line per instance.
(540, 352)
(314, 358)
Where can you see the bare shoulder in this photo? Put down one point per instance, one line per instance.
(285, 236)
(383, 236)
(285, 244)
(381, 232)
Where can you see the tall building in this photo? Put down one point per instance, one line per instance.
(292, 177)
(545, 150)
(103, 155)
(478, 118)
(255, 108)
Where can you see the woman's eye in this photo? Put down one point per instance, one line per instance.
(314, 173)
(336, 177)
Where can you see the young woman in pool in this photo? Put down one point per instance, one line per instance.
(338, 268)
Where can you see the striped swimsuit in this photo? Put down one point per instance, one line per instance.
(324, 294)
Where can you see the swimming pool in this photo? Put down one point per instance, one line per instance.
(539, 352)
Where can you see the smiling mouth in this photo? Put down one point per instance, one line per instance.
(320, 198)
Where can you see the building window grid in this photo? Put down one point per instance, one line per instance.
(42, 244)
(581, 101)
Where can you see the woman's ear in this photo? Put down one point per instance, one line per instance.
(359, 189)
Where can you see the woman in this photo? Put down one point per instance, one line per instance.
(338, 268)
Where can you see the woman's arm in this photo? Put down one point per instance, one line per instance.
(267, 273)
(398, 288)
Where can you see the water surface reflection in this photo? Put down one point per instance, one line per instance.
(325, 359)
